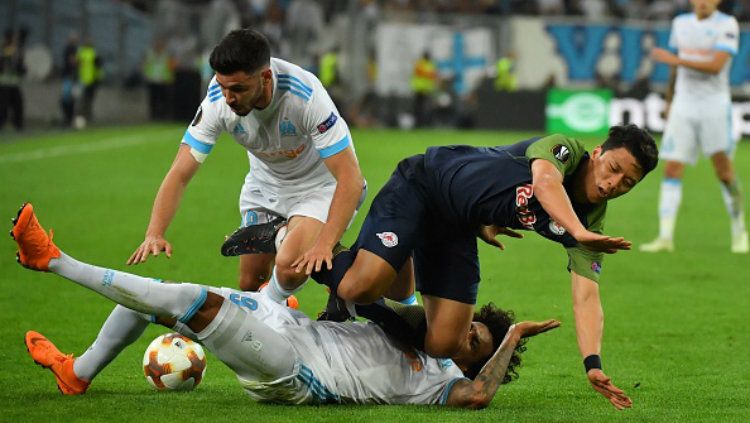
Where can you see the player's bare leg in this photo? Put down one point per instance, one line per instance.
(285, 280)
(368, 279)
(255, 270)
(402, 289)
(670, 197)
(447, 324)
(732, 193)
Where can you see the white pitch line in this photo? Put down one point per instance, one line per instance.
(105, 144)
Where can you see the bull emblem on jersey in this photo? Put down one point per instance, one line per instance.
(389, 239)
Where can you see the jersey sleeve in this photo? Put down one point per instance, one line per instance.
(674, 42)
(447, 390)
(585, 262)
(729, 36)
(563, 152)
(329, 132)
(206, 126)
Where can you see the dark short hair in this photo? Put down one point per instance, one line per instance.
(637, 141)
(244, 50)
(498, 322)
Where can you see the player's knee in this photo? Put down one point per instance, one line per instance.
(437, 346)
(360, 289)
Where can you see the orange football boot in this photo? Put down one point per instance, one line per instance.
(45, 354)
(35, 247)
(291, 302)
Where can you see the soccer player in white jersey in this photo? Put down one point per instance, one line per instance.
(302, 162)
(699, 115)
(287, 358)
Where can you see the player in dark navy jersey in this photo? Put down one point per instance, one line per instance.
(436, 204)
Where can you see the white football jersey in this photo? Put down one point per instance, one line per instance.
(288, 140)
(697, 40)
(345, 362)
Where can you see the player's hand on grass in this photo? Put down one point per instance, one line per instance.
(602, 384)
(487, 233)
(313, 260)
(152, 245)
(529, 329)
(603, 243)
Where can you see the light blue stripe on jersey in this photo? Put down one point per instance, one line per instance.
(198, 303)
(295, 81)
(214, 97)
(334, 149)
(728, 49)
(214, 89)
(447, 390)
(672, 181)
(200, 146)
(284, 87)
(319, 391)
(410, 301)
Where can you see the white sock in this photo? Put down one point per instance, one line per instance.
(150, 296)
(732, 195)
(123, 327)
(275, 292)
(410, 301)
(670, 197)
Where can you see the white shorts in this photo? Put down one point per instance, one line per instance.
(693, 130)
(260, 205)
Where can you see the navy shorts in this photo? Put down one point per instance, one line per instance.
(400, 224)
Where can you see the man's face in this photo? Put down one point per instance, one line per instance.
(704, 8)
(244, 92)
(614, 173)
(479, 345)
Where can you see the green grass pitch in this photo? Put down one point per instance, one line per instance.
(676, 332)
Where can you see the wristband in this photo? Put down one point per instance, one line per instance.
(592, 362)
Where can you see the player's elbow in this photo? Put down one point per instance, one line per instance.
(477, 400)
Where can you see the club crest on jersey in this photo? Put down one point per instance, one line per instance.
(287, 129)
(561, 153)
(389, 239)
(198, 116)
(596, 267)
(328, 123)
(556, 228)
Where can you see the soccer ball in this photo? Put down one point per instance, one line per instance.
(174, 362)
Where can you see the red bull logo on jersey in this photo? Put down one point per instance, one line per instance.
(524, 214)
(556, 228)
(389, 239)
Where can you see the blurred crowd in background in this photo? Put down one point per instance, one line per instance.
(161, 47)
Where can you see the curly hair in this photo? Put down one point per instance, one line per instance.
(498, 321)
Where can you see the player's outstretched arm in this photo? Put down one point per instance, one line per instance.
(549, 190)
(478, 393)
(711, 67)
(165, 206)
(589, 316)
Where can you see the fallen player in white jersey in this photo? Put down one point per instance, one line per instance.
(278, 354)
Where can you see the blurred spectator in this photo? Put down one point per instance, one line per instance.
(423, 83)
(551, 7)
(329, 64)
(304, 24)
(12, 69)
(158, 70)
(69, 79)
(90, 73)
(505, 77)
